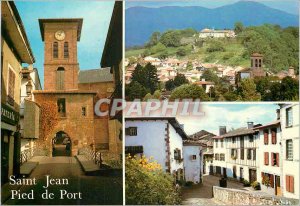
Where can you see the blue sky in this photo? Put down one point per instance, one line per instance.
(231, 115)
(290, 6)
(96, 18)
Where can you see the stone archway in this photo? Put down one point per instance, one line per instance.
(69, 135)
(61, 144)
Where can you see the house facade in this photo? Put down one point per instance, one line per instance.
(193, 161)
(289, 119)
(15, 51)
(212, 33)
(270, 152)
(160, 138)
(29, 112)
(220, 157)
(241, 160)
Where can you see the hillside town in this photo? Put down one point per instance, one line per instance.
(167, 69)
(247, 160)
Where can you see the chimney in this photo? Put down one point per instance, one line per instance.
(278, 114)
(291, 71)
(222, 130)
(250, 125)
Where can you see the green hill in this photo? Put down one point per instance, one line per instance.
(278, 45)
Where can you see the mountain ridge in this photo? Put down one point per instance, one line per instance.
(176, 17)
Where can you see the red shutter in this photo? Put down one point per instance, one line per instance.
(266, 158)
(274, 137)
(272, 181)
(266, 139)
(272, 158)
(287, 183)
(277, 159)
(291, 184)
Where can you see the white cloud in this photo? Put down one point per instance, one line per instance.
(223, 116)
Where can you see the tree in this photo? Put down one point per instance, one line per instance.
(170, 38)
(238, 27)
(215, 46)
(135, 90)
(189, 91)
(147, 97)
(154, 39)
(180, 79)
(138, 75)
(157, 94)
(170, 85)
(151, 79)
(189, 65)
(209, 75)
(181, 52)
(289, 89)
(146, 76)
(247, 90)
(157, 48)
(147, 184)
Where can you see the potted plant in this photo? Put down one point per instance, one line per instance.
(255, 185)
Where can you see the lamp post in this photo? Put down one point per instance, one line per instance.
(28, 88)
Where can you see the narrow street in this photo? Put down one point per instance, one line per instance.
(94, 189)
(202, 194)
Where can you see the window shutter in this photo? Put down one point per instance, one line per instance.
(266, 158)
(277, 159)
(272, 181)
(262, 177)
(291, 184)
(274, 137)
(266, 137)
(272, 159)
(287, 183)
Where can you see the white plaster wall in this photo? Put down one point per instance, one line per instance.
(192, 167)
(291, 167)
(150, 135)
(218, 149)
(175, 142)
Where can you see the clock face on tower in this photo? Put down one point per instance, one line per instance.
(60, 35)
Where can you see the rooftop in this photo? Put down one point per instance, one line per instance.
(238, 132)
(95, 76)
(14, 30)
(62, 20)
(172, 120)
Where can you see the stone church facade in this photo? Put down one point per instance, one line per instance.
(74, 92)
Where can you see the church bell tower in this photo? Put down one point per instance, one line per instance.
(61, 65)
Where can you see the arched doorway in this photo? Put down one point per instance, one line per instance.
(61, 145)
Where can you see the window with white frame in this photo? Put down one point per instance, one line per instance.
(289, 149)
(289, 117)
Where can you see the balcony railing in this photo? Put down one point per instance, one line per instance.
(92, 155)
(102, 158)
(27, 155)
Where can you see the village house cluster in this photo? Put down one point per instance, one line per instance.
(167, 69)
(267, 153)
(72, 92)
